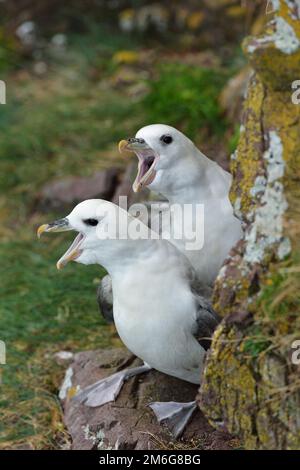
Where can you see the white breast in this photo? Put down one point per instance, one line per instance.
(221, 230)
(157, 325)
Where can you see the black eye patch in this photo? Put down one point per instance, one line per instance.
(91, 222)
(166, 139)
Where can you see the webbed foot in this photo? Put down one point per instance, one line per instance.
(108, 389)
(175, 415)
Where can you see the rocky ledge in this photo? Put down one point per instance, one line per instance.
(128, 423)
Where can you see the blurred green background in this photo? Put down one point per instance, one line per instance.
(80, 76)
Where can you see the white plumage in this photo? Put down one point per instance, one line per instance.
(155, 311)
(171, 165)
(158, 312)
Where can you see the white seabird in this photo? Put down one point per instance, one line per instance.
(157, 312)
(170, 164)
(104, 291)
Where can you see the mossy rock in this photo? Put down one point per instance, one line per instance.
(250, 386)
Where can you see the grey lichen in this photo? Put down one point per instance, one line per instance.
(274, 158)
(284, 248)
(259, 186)
(98, 438)
(284, 38)
(275, 5)
(294, 7)
(237, 208)
(267, 227)
(222, 272)
(233, 156)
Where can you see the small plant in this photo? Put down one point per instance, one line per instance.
(234, 140)
(256, 345)
(280, 298)
(256, 342)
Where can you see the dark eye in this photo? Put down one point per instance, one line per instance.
(92, 222)
(166, 139)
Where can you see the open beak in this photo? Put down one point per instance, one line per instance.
(147, 161)
(63, 225)
(72, 253)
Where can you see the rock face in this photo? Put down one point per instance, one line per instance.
(64, 194)
(125, 186)
(129, 423)
(251, 384)
(110, 184)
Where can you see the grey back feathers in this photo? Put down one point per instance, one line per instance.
(206, 322)
(206, 319)
(105, 298)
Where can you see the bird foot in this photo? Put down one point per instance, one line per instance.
(108, 389)
(175, 415)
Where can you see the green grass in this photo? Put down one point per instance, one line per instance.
(42, 311)
(277, 311)
(280, 298)
(256, 343)
(187, 97)
(59, 134)
(37, 300)
(62, 124)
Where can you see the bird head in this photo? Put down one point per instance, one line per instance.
(160, 150)
(102, 228)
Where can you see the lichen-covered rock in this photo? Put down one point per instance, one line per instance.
(251, 387)
(276, 54)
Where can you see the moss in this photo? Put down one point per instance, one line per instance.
(233, 393)
(250, 144)
(276, 64)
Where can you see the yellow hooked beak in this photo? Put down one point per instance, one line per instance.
(147, 161)
(42, 228)
(63, 225)
(123, 146)
(133, 145)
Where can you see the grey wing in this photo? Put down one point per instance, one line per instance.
(197, 287)
(105, 299)
(206, 322)
(206, 318)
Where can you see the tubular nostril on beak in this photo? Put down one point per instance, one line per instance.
(133, 140)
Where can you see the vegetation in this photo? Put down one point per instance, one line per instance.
(42, 312)
(187, 97)
(8, 53)
(60, 124)
(67, 119)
